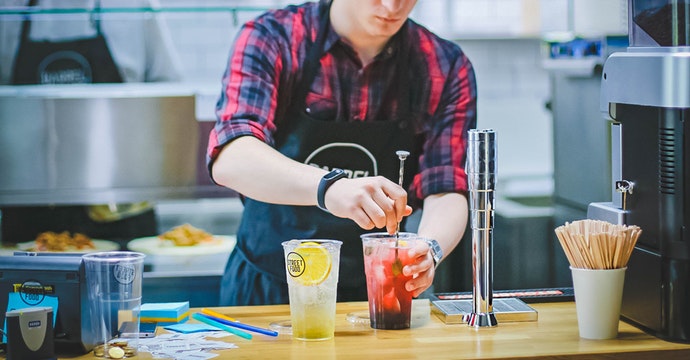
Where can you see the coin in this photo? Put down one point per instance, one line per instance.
(119, 343)
(99, 351)
(130, 351)
(116, 352)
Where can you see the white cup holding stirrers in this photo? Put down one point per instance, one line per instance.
(598, 296)
(598, 253)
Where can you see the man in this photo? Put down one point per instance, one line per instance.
(341, 84)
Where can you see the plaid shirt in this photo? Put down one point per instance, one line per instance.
(266, 62)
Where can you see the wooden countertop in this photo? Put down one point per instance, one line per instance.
(553, 336)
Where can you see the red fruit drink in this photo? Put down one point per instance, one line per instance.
(390, 305)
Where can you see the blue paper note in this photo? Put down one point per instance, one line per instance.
(190, 328)
(171, 310)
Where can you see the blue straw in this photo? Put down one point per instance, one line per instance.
(241, 325)
(233, 322)
(204, 319)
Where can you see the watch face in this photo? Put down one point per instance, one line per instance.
(436, 251)
(325, 183)
(334, 174)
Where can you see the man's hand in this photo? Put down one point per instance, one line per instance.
(371, 202)
(422, 269)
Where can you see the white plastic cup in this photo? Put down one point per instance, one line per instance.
(598, 296)
(114, 281)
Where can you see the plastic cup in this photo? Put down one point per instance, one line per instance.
(114, 280)
(598, 296)
(390, 305)
(312, 298)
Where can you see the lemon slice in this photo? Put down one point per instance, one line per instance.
(309, 264)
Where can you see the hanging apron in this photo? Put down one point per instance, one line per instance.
(80, 61)
(255, 273)
(85, 60)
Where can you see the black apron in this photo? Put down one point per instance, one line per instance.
(80, 61)
(85, 60)
(255, 273)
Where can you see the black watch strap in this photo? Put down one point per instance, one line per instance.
(326, 182)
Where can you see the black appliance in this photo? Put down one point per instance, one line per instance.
(646, 92)
(30, 334)
(36, 279)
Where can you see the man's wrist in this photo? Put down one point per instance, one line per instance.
(326, 182)
(435, 250)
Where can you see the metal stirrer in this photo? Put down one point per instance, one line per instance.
(402, 155)
(397, 265)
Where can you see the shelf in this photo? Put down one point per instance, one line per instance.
(120, 10)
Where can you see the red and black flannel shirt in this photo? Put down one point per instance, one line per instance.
(263, 68)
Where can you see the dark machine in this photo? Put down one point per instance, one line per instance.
(45, 280)
(30, 333)
(646, 92)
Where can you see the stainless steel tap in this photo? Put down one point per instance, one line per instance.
(481, 176)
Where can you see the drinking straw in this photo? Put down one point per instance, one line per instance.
(210, 312)
(204, 319)
(223, 319)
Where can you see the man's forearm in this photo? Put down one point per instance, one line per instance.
(256, 170)
(444, 219)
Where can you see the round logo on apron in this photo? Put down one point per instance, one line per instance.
(356, 160)
(64, 67)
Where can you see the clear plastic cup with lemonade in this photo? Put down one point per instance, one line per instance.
(312, 275)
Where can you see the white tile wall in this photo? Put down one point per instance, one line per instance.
(512, 90)
(484, 17)
(584, 17)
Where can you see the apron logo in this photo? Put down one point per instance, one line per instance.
(294, 264)
(360, 161)
(64, 67)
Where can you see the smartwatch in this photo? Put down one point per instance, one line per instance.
(436, 251)
(326, 182)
